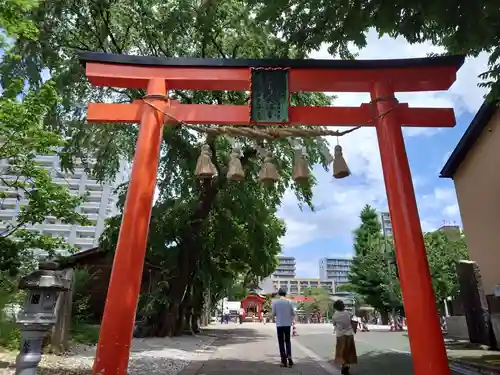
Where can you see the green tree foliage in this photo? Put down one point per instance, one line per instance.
(345, 287)
(14, 20)
(237, 292)
(469, 29)
(204, 235)
(22, 137)
(368, 232)
(321, 301)
(373, 273)
(24, 181)
(444, 251)
(373, 276)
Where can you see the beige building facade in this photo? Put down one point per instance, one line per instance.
(297, 285)
(474, 167)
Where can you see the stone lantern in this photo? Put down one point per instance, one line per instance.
(37, 317)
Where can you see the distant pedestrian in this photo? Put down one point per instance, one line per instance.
(284, 313)
(345, 348)
(242, 314)
(226, 315)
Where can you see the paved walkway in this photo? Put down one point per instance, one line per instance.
(251, 349)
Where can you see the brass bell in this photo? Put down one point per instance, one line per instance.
(340, 169)
(235, 171)
(300, 170)
(205, 169)
(268, 174)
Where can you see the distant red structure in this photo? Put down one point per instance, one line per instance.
(252, 306)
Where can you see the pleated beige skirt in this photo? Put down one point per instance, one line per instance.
(345, 351)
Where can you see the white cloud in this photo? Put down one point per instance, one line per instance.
(298, 233)
(340, 201)
(441, 206)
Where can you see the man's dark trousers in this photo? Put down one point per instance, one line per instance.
(284, 342)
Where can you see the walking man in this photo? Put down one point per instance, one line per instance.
(284, 314)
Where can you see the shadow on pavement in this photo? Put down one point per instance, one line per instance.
(383, 363)
(254, 362)
(268, 365)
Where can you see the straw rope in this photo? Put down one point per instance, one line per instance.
(263, 133)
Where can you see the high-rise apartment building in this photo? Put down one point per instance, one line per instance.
(99, 205)
(286, 267)
(385, 219)
(335, 269)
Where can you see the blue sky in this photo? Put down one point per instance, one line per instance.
(328, 231)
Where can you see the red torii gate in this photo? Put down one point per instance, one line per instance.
(381, 78)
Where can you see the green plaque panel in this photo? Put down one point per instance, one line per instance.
(269, 96)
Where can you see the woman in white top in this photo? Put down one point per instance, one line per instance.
(345, 348)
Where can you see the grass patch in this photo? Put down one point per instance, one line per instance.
(87, 334)
(9, 335)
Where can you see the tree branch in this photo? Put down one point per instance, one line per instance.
(218, 47)
(106, 20)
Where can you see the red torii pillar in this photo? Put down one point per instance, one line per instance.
(380, 78)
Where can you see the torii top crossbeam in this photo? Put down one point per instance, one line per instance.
(406, 75)
(270, 83)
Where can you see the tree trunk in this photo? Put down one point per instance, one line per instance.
(195, 326)
(384, 315)
(170, 322)
(198, 300)
(187, 322)
(179, 323)
(165, 321)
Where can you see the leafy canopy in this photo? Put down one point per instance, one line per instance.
(374, 275)
(25, 182)
(444, 251)
(14, 20)
(321, 301)
(201, 234)
(469, 28)
(368, 231)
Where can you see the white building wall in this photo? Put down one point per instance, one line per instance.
(336, 269)
(385, 220)
(297, 285)
(98, 206)
(286, 267)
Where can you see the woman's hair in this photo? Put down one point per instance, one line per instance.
(282, 292)
(339, 305)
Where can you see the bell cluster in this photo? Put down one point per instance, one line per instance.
(268, 174)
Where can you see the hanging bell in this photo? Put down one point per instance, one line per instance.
(340, 169)
(268, 174)
(300, 170)
(235, 171)
(205, 169)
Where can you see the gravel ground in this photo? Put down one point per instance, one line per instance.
(150, 356)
